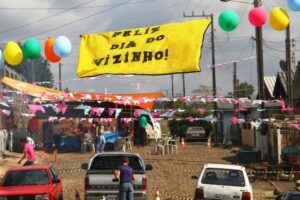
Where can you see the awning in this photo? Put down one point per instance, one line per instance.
(142, 100)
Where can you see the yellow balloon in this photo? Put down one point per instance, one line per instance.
(279, 19)
(13, 53)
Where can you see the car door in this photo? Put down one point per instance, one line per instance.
(56, 189)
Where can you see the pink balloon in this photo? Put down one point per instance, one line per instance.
(257, 16)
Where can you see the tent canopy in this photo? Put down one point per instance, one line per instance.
(51, 95)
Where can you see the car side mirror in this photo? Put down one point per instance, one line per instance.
(148, 167)
(194, 177)
(84, 166)
(56, 180)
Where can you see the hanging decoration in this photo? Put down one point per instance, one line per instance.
(31, 48)
(2, 59)
(143, 121)
(49, 50)
(13, 53)
(228, 20)
(257, 16)
(62, 46)
(279, 19)
(294, 5)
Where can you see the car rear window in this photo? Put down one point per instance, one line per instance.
(226, 177)
(26, 177)
(111, 162)
(196, 129)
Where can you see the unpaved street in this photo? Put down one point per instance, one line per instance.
(171, 174)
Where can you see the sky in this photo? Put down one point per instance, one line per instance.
(22, 19)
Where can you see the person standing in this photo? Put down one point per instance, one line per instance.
(124, 173)
(28, 152)
(56, 133)
(100, 139)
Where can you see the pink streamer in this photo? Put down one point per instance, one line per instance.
(201, 111)
(62, 107)
(34, 108)
(111, 111)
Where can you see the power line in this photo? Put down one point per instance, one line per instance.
(44, 18)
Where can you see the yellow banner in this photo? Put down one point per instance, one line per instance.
(163, 49)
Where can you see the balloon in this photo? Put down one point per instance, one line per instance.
(294, 5)
(49, 51)
(228, 20)
(62, 46)
(13, 53)
(279, 19)
(31, 48)
(257, 16)
(2, 60)
(143, 121)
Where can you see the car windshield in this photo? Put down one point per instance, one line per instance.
(226, 177)
(112, 162)
(26, 177)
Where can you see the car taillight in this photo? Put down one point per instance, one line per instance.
(246, 196)
(144, 183)
(86, 182)
(199, 193)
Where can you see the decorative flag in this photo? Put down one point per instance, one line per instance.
(118, 111)
(34, 108)
(152, 50)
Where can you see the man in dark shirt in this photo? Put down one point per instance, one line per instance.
(124, 173)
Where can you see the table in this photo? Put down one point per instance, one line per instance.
(70, 143)
(111, 137)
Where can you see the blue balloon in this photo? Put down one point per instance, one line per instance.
(62, 46)
(2, 59)
(294, 5)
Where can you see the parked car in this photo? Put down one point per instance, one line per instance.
(100, 180)
(289, 195)
(196, 133)
(221, 181)
(30, 183)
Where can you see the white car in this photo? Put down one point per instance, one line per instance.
(221, 181)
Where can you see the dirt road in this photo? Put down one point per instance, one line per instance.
(171, 173)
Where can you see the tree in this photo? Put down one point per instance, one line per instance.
(35, 70)
(244, 90)
(202, 89)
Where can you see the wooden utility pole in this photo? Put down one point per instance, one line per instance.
(288, 67)
(183, 84)
(172, 85)
(259, 57)
(213, 64)
(59, 76)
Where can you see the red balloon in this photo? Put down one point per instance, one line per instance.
(257, 16)
(49, 51)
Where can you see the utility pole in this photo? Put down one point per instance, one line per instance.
(213, 64)
(183, 84)
(259, 57)
(288, 67)
(59, 76)
(172, 86)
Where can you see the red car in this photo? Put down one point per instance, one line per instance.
(31, 183)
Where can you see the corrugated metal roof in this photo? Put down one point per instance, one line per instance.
(270, 84)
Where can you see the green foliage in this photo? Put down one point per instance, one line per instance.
(35, 70)
(178, 128)
(244, 90)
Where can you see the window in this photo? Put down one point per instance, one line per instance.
(111, 162)
(227, 177)
(26, 177)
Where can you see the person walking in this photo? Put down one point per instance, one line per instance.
(100, 139)
(124, 173)
(28, 152)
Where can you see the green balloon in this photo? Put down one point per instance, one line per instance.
(31, 48)
(228, 20)
(143, 121)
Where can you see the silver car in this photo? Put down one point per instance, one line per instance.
(196, 133)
